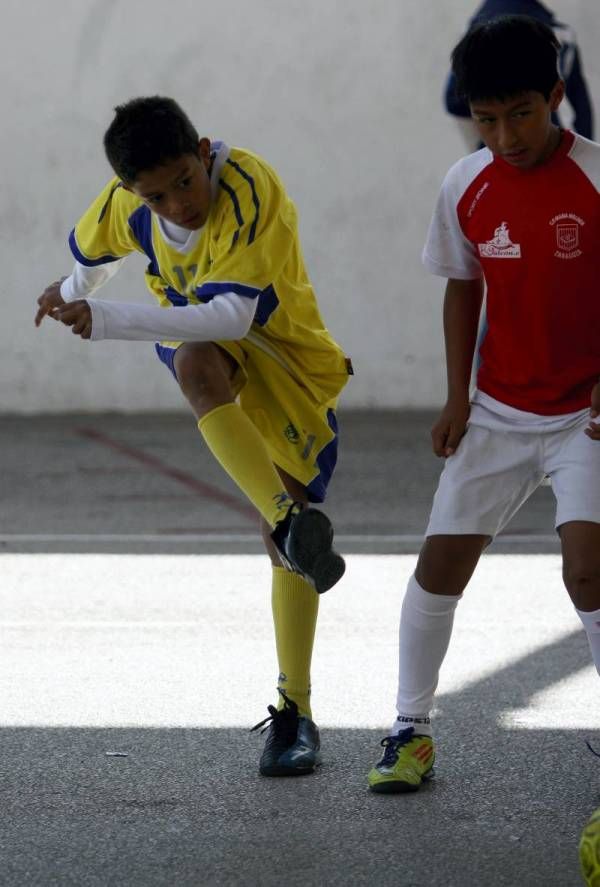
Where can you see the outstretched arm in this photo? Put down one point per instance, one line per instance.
(227, 317)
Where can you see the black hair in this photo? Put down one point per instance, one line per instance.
(147, 132)
(504, 57)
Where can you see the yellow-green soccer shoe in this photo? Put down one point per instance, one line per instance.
(589, 850)
(407, 762)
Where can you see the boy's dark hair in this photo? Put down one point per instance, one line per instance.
(147, 132)
(504, 57)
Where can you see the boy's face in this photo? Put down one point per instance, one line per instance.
(520, 129)
(179, 190)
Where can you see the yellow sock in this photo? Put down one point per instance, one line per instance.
(237, 444)
(295, 606)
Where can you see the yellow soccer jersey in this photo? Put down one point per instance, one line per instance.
(248, 246)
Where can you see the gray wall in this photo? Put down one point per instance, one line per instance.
(342, 97)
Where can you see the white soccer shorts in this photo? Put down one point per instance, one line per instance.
(495, 470)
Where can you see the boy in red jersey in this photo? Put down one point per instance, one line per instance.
(523, 216)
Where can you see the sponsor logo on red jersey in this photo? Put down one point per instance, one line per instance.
(500, 246)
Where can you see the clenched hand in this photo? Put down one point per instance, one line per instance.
(49, 300)
(77, 315)
(447, 432)
(593, 429)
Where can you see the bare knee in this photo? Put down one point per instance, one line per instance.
(581, 563)
(204, 374)
(582, 581)
(446, 563)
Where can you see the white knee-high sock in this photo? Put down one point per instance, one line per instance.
(425, 628)
(591, 623)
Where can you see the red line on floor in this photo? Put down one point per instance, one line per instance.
(205, 491)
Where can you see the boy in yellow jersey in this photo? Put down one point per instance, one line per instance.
(246, 343)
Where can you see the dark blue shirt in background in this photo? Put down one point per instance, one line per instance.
(569, 61)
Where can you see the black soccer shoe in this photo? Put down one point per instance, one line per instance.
(304, 541)
(293, 744)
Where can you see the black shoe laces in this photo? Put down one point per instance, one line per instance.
(279, 536)
(284, 720)
(393, 744)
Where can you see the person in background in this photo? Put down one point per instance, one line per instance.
(570, 67)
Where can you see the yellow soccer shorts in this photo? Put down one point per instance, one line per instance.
(301, 435)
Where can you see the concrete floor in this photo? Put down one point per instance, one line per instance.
(137, 653)
(107, 482)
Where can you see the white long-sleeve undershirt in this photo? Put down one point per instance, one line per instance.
(84, 279)
(226, 317)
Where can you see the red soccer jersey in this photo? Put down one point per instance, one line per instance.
(535, 236)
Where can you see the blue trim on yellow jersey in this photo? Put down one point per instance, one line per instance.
(236, 208)
(83, 260)
(255, 199)
(267, 303)
(326, 460)
(267, 298)
(140, 223)
(236, 204)
(108, 200)
(175, 297)
(209, 290)
(167, 355)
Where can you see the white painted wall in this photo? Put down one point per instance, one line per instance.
(342, 96)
